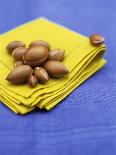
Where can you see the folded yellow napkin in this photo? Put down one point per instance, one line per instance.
(81, 58)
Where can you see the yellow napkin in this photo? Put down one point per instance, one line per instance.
(81, 58)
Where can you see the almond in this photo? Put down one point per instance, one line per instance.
(41, 74)
(20, 74)
(14, 44)
(35, 56)
(39, 43)
(18, 53)
(55, 69)
(56, 55)
(32, 81)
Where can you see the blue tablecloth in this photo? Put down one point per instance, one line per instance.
(85, 122)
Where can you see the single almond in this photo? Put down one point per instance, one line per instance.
(35, 56)
(14, 44)
(40, 43)
(56, 55)
(55, 68)
(41, 74)
(20, 74)
(32, 81)
(18, 53)
(96, 39)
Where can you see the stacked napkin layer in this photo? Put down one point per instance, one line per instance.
(81, 58)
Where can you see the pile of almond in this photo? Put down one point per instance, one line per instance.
(36, 63)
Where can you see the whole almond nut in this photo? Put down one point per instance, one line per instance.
(56, 55)
(18, 63)
(41, 74)
(39, 43)
(14, 44)
(55, 68)
(18, 53)
(35, 56)
(20, 74)
(96, 39)
(32, 81)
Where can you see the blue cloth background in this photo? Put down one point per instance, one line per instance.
(85, 122)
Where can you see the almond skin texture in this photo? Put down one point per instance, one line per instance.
(55, 69)
(41, 74)
(20, 74)
(18, 63)
(35, 56)
(14, 44)
(56, 55)
(18, 53)
(96, 39)
(32, 81)
(39, 43)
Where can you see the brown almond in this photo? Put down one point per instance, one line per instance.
(40, 43)
(20, 74)
(56, 55)
(18, 53)
(14, 44)
(32, 81)
(96, 39)
(55, 69)
(35, 56)
(18, 63)
(41, 74)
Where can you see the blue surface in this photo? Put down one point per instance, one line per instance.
(85, 122)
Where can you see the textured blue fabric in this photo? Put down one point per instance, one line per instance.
(85, 122)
